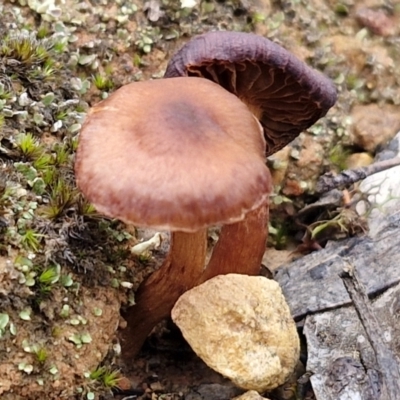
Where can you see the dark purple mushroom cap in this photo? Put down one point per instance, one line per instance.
(284, 93)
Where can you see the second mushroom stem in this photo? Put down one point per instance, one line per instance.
(240, 247)
(157, 295)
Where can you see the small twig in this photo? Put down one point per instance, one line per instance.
(385, 360)
(346, 178)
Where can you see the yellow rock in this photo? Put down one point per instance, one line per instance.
(242, 328)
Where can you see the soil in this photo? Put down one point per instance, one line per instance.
(66, 271)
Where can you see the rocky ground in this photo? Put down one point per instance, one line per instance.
(65, 271)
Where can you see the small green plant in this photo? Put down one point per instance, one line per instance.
(106, 376)
(61, 154)
(48, 68)
(4, 320)
(144, 258)
(338, 156)
(344, 222)
(4, 94)
(43, 162)
(56, 332)
(60, 46)
(97, 373)
(111, 378)
(50, 275)
(42, 32)
(41, 355)
(61, 115)
(102, 82)
(85, 208)
(25, 48)
(29, 146)
(354, 82)
(278, 234)
(50, 174)
(137, 60)
(62, 197)
(258, 17)
(33, 55)
(45, 281)
(31, 239)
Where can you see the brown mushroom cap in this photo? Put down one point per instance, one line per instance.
(172, 154)
(285, 94)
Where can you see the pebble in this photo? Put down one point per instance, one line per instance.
(241, 327)
(377, 21)
(374, 125)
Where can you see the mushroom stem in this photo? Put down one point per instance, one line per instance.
(157, 295)
(240, 247)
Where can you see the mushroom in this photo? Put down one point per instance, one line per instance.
(285, 94)
(178, 154)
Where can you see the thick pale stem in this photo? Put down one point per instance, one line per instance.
(240, 247)
(157, 295)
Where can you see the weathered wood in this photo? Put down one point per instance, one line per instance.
(387, 367)
(341, 359)
(340, 355)
(312, 283)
